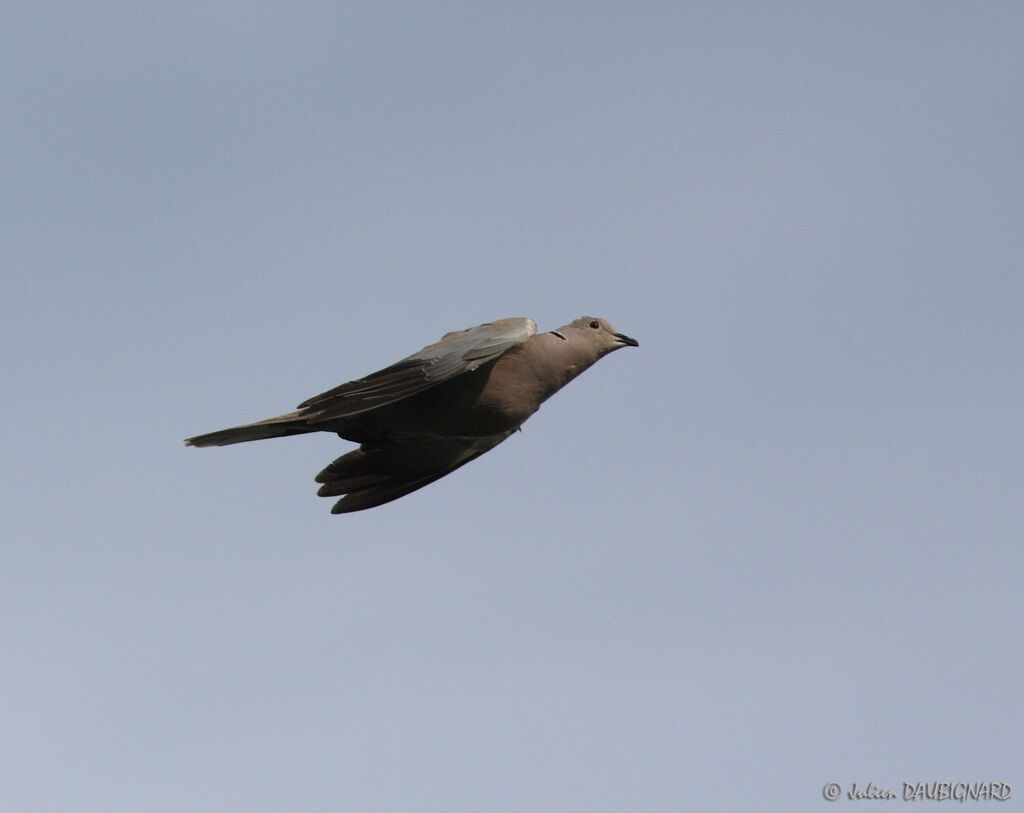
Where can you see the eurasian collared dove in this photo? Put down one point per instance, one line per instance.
(426, 415)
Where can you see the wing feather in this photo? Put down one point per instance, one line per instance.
(456, 353)
(373, 475)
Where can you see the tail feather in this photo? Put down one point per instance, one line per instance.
(278, 427)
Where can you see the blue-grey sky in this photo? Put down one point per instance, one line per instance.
(779, 544)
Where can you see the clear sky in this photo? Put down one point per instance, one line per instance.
(780, 544)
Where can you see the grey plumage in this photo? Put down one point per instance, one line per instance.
(436, 410)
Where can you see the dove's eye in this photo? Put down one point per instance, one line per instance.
(595, 324)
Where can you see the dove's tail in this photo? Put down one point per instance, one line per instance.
(279, 427)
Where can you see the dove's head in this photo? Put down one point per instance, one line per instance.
(597, 335)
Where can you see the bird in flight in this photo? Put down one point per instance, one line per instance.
(434, 411)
